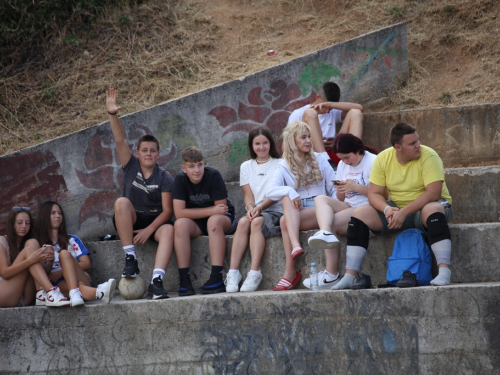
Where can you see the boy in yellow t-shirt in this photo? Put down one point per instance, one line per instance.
(413, 176)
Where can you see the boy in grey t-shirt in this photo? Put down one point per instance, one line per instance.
(145, 209)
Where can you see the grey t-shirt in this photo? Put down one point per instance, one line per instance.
(145, 194)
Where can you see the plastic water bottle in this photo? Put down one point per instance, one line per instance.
(313, 275)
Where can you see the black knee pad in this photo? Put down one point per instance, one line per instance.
(358, 233)
(437, 227)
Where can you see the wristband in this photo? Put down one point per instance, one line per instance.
(246, 207)
(112, 114)
(385, 209)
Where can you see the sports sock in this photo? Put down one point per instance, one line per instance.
(158, 272)
(130, 250)
(442, 251)
(73, 291)
(216, 272)
(345, 282)
(354, 257)
(252, 272)
(443, 278)
(184, 272)
(232, 271)
(331, 275)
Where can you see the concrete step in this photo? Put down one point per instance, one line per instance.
(474, 191)
(475, 258)
(463, 136)
(426, 330)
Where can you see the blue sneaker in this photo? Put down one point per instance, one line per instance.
(214, 285)
(185, 287)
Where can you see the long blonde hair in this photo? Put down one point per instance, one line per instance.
(291, 155)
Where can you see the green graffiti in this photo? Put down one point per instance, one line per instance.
(173, 130)
(238, 151)
(315, 75)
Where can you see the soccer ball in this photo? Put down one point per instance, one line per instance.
(132, 288)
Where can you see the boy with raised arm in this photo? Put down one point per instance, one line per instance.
(145, 209)
(201, 208)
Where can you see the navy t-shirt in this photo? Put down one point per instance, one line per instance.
(210, 189)
(145, 194)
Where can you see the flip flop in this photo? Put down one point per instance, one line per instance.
(285, 284)
(297, 251)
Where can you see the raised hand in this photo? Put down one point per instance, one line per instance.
(111, 105)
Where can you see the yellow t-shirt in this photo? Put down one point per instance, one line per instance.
(407, 182)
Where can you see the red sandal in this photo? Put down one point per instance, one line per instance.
(297, 251)
(285, 284)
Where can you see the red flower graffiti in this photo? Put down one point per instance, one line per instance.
(271, 108)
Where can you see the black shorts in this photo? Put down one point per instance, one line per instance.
(144, 220)
(202, 224)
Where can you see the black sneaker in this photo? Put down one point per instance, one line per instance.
(409, 280)
(362, 282)
(131, 269)
(185, 287)
(155, 289)
(214, 285)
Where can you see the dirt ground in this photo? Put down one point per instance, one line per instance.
(161, 50)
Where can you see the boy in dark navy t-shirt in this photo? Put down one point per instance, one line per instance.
(201, 208)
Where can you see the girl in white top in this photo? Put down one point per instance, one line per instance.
(21, 261)
(301, 176)
(353, 179)
(65, 271)
(263, 214)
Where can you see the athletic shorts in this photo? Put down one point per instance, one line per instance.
(143, 220)
(271, 226)
(412, 221)
(202, 224)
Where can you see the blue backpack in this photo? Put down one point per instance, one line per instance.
(411, 252)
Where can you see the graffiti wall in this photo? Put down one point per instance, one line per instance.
(82, 171)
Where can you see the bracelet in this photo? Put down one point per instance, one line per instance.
(112, 114)
(246, 207)
(385, 209)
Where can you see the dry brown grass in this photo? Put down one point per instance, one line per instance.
(162, 50)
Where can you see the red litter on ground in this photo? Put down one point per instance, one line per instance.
(271, 52)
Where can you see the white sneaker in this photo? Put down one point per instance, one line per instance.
(55, 298)
(251, 282)
(41, 296)
(105, 290)
(233, 281)
(324, 281)
(76, 298)
(322, 240)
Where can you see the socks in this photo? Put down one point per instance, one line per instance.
(345, 283)
(130, 250)
(158, 272)
(231, 271)
(442, 251)
(354, 257)
(443, 278)
(331, 275)
(252, 272)
(216, 272)
(73, 291)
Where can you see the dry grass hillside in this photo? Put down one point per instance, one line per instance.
(161, 50)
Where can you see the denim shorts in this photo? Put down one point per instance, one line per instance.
(307, 202)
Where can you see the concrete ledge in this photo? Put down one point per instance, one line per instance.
(475, 258)
(427, 330)
(462, 136)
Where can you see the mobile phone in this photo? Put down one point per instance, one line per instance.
(336, 182)
(46, 250)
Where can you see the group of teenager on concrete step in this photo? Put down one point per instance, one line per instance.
(326, 181)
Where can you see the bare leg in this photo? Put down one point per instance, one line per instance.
(257, 242)
(217, 226)
(184, 230)
(310, 117)
(326, 207)
(12, 290)
(290, 270)
(125, 218)
(353, 123)
(164, 235)
(74, 277)
(240, 243)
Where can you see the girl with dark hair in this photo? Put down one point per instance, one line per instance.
(21, 261)
(353, 175)
(300, 176)
(263, 214)
(71, 258)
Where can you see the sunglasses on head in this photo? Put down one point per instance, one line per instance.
(17, 208)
